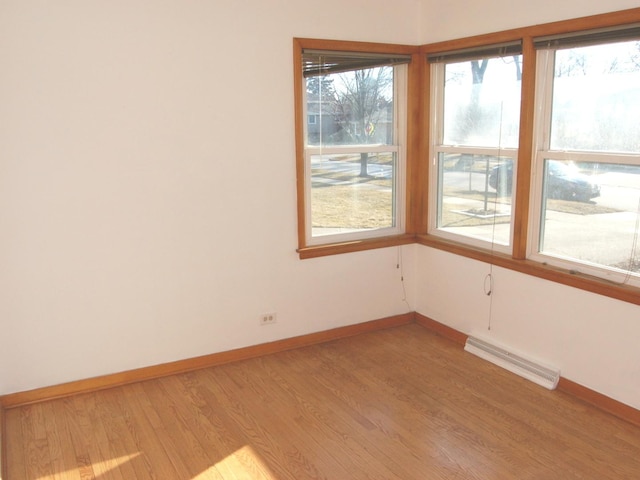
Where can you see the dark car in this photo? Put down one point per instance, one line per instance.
(563, 181)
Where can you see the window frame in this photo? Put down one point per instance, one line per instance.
(543, 152)
(310, 247)
(437, 146)
(397, 148)
(525, 182)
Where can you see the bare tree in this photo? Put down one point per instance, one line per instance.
(364, 101)
(478, 69)
(321, 88)
(627, 63)
(470, 118)
(573, 65)
(635, 57)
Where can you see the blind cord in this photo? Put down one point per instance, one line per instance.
(488, 279)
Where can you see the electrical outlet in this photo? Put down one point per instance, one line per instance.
(268, 318)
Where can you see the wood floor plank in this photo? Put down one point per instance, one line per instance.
(150, 438)
(408, 414)
(15, 452)
(504, 431)
(447, 401)
(117, 455)
(363, 438)
(180, 439)
(397, 404)
(114, 434)
(56, 439)
(66, 459)
(279, 397)
(220, 436)
(263, 434)
(38, 461)
(83, 440)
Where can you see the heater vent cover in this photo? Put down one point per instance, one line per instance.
(544, 376)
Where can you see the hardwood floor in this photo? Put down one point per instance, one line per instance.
(400, 403)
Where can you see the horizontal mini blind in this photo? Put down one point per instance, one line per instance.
(589, 37)
(486, 51)
(325, 62)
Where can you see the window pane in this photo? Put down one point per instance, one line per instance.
(475, 196)
(343, 200)
(351, 108)
(596, 97)
(591, 212)
(482, 102)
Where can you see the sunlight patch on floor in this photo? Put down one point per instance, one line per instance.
(243, 463)
(98, 468)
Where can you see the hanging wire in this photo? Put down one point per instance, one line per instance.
(400, 266)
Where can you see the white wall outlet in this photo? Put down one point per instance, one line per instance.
(268, 318)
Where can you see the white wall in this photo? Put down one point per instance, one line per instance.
(592, 339)
(147, 183)
(463, 18)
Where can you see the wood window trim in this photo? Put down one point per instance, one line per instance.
(414, 121)
(324, 250)
(518, 261)
(417, 158)
(582, 281)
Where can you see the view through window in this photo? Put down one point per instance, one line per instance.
(589, 158)
(353, 139)
(475, 134)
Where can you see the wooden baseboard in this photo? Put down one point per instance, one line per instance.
(614, 407)
(196, 363)
(441, 329)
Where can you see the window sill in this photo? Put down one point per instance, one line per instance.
(582, 281)
(355, 246)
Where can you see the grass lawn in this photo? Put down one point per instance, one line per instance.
(346, 200)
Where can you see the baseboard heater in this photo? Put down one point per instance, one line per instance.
(542, 375)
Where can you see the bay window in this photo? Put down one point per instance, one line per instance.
(518, 148)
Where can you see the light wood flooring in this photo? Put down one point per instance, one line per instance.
(400, 403)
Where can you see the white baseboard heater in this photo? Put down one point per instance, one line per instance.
(542, 375)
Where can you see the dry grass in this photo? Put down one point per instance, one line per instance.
(344, 199)
(351, 206)
(452, 218)
(351, 201)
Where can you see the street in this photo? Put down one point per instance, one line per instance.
(601, 231)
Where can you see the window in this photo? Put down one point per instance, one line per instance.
(586, 210)
(531, 162)
(550, 186)
(353, 154)
(474, 132)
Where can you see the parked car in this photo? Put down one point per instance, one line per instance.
(563, 181)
